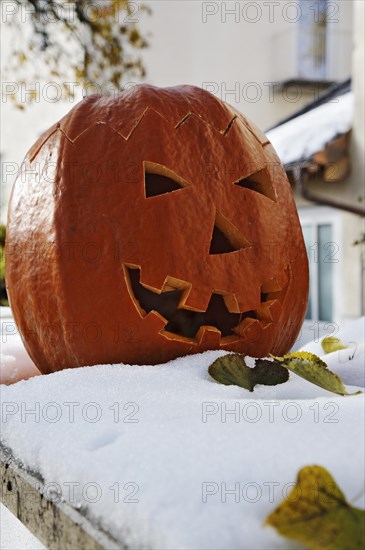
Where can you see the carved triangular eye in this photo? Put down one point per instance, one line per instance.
(226, 237)
(260, 182)
(159, 180)
(159, 185)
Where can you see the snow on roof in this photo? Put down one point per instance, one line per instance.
(298, 139)
(164, 457)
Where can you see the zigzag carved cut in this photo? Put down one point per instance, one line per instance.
(148, 110)
(254, 130)
(221, 133)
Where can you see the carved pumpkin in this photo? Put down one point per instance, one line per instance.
(152, 225)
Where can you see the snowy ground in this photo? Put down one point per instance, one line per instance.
(165, 458)
(15, 363)
(13, 534)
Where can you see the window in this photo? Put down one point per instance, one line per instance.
(314, 45)
(321, 231)
(312, 40)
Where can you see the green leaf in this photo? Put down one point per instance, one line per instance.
(312, 368)
(232, 370)
(316, 514)
(330, 343)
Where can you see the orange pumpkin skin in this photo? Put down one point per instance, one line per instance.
(105, 264)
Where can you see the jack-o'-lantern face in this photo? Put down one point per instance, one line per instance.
(216, 307)
(183, 230)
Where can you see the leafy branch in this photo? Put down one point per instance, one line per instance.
(84, 43)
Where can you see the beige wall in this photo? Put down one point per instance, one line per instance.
(351, 260)
(240, 53)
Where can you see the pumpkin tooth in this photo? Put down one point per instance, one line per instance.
(158, 321)
(171, 283)
(269, 311)
(231, 303)
(252, 300)
(271, 285)
(195, 299)
(208, 336)
(249, 329)
(152, 280)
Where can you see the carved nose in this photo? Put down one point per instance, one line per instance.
(226, 237)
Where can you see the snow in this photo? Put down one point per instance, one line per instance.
(154, 451)
(352, 335)
(298, 139)
(15, 363)
(13, 534)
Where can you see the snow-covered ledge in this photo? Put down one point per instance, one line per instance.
(163, 457)
(55, 522)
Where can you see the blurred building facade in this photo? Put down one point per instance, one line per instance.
(266, 58)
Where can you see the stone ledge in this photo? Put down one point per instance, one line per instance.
(55, 523)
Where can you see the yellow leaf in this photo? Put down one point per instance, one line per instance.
(331, 343)
(314, 370)
(316, 514)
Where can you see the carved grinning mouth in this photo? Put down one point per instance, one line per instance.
(183, 322)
